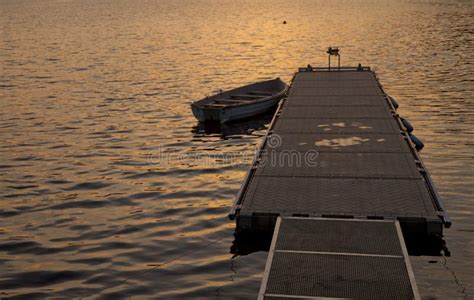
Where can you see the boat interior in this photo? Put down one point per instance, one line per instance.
(246, 94)
(235, 99)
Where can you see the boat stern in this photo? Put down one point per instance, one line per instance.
(209, 114)
(198, 112)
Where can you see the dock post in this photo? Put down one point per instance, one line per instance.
(334, 51)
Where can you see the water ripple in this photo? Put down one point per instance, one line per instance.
(110, 188)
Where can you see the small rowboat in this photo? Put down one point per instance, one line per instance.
(240, 103)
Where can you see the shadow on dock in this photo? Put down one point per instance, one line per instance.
(430, 246)
(246, 243)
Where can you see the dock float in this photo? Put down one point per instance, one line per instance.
(337, 148)
(337, 259)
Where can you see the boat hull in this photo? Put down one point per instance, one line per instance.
(229, 114)
(240, 103)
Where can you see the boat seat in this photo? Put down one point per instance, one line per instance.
(216, 105)
(263, 93)
(246, 97)
(231, 101)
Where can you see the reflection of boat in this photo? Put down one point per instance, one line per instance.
(234, 129)
(240, 103)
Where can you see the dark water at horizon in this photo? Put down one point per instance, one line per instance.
(110, 190)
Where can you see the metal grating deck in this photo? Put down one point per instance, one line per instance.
(323, 258)
(326, 100)
(336, 147)
(335, 125)
(357, 143)
(334, 84)
(366, 76)
(335, 112)
(355, 197)
(326, 164)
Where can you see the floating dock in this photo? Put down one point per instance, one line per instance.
(337, 148)
(339, 182)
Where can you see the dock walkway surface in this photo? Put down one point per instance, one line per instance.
(337, 148)
(337, 259)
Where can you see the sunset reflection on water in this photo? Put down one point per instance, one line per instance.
(91, 89)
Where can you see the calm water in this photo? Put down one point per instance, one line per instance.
(108, 188)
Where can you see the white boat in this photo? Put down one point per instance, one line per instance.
(240, 103)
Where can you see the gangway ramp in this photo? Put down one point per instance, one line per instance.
(320, 258)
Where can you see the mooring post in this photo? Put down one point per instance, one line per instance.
(334, 51)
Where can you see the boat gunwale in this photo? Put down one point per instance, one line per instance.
(278, 94)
